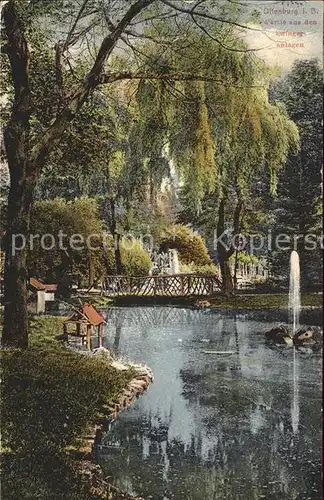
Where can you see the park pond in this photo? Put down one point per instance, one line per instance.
(242, 425)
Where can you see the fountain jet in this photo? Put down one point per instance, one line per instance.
(175, 267)
(294, 292)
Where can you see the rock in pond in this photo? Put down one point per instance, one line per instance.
(279, 335)
(202, 304)
(308, 336)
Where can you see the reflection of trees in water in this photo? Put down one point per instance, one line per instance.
(242, 446)
(170, 316)
(157, 316)
(117, 337)
(157, 467)
(236, 462)
(253, 416)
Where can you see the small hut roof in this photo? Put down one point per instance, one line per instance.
(92, 314)
(88, 313)
(42, 286)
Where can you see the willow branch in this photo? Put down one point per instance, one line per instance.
(110, 41)
(129, 75)
(52, 135)
(217, 40)
(77, 19)
(208, 16)
(59, 73)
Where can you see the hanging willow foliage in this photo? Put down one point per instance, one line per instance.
(192, 144)
(220, 131)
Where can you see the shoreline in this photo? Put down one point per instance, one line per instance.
(90, 471)
(248, 301)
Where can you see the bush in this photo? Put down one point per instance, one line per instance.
(135, 260)
(208, 270)
(77, 217)
(190, 246)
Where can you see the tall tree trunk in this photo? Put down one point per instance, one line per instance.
(22, 184)
(223, 252)
(116, 236)
(15, 330)
(235, 270)
(227, 280)
(90, 270)
(119, 265)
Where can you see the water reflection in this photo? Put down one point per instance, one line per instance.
(117, 337)
(295, 400)
(240, 426)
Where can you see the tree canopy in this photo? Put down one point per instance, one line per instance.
(158, 81)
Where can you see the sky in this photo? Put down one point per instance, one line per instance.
(289, 31)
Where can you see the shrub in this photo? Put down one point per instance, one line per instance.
(77, 217)
(190, 246)
(135, 260)
(208, 270)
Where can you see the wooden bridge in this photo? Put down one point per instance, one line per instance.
(176, 285)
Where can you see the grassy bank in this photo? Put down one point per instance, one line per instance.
(264, 301)
(238, 302)
(50, 395)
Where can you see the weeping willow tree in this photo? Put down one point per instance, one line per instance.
(222, 130)
(191, 42)
(120, 157)
(261, 137)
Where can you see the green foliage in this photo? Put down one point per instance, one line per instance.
(50, 395)
(220, 132)
(264, 301)
(135, 260)
(207, 270)
(95, 135)
(297, 209)
(245, 258)
(190, 245)
(77, 217)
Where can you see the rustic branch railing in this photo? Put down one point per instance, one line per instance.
(176, 285)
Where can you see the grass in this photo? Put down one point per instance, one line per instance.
(264, 301)
(97, 300)
(50, 396)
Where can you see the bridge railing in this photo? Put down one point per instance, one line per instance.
(162, 285)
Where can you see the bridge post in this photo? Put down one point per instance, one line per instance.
(182, 292)
(209, 283)
(189, 284)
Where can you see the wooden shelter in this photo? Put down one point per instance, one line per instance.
(41, 293)
(84, 324)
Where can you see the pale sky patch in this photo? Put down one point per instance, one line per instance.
(289, 31)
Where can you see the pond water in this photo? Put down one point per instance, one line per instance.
(245, 425)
